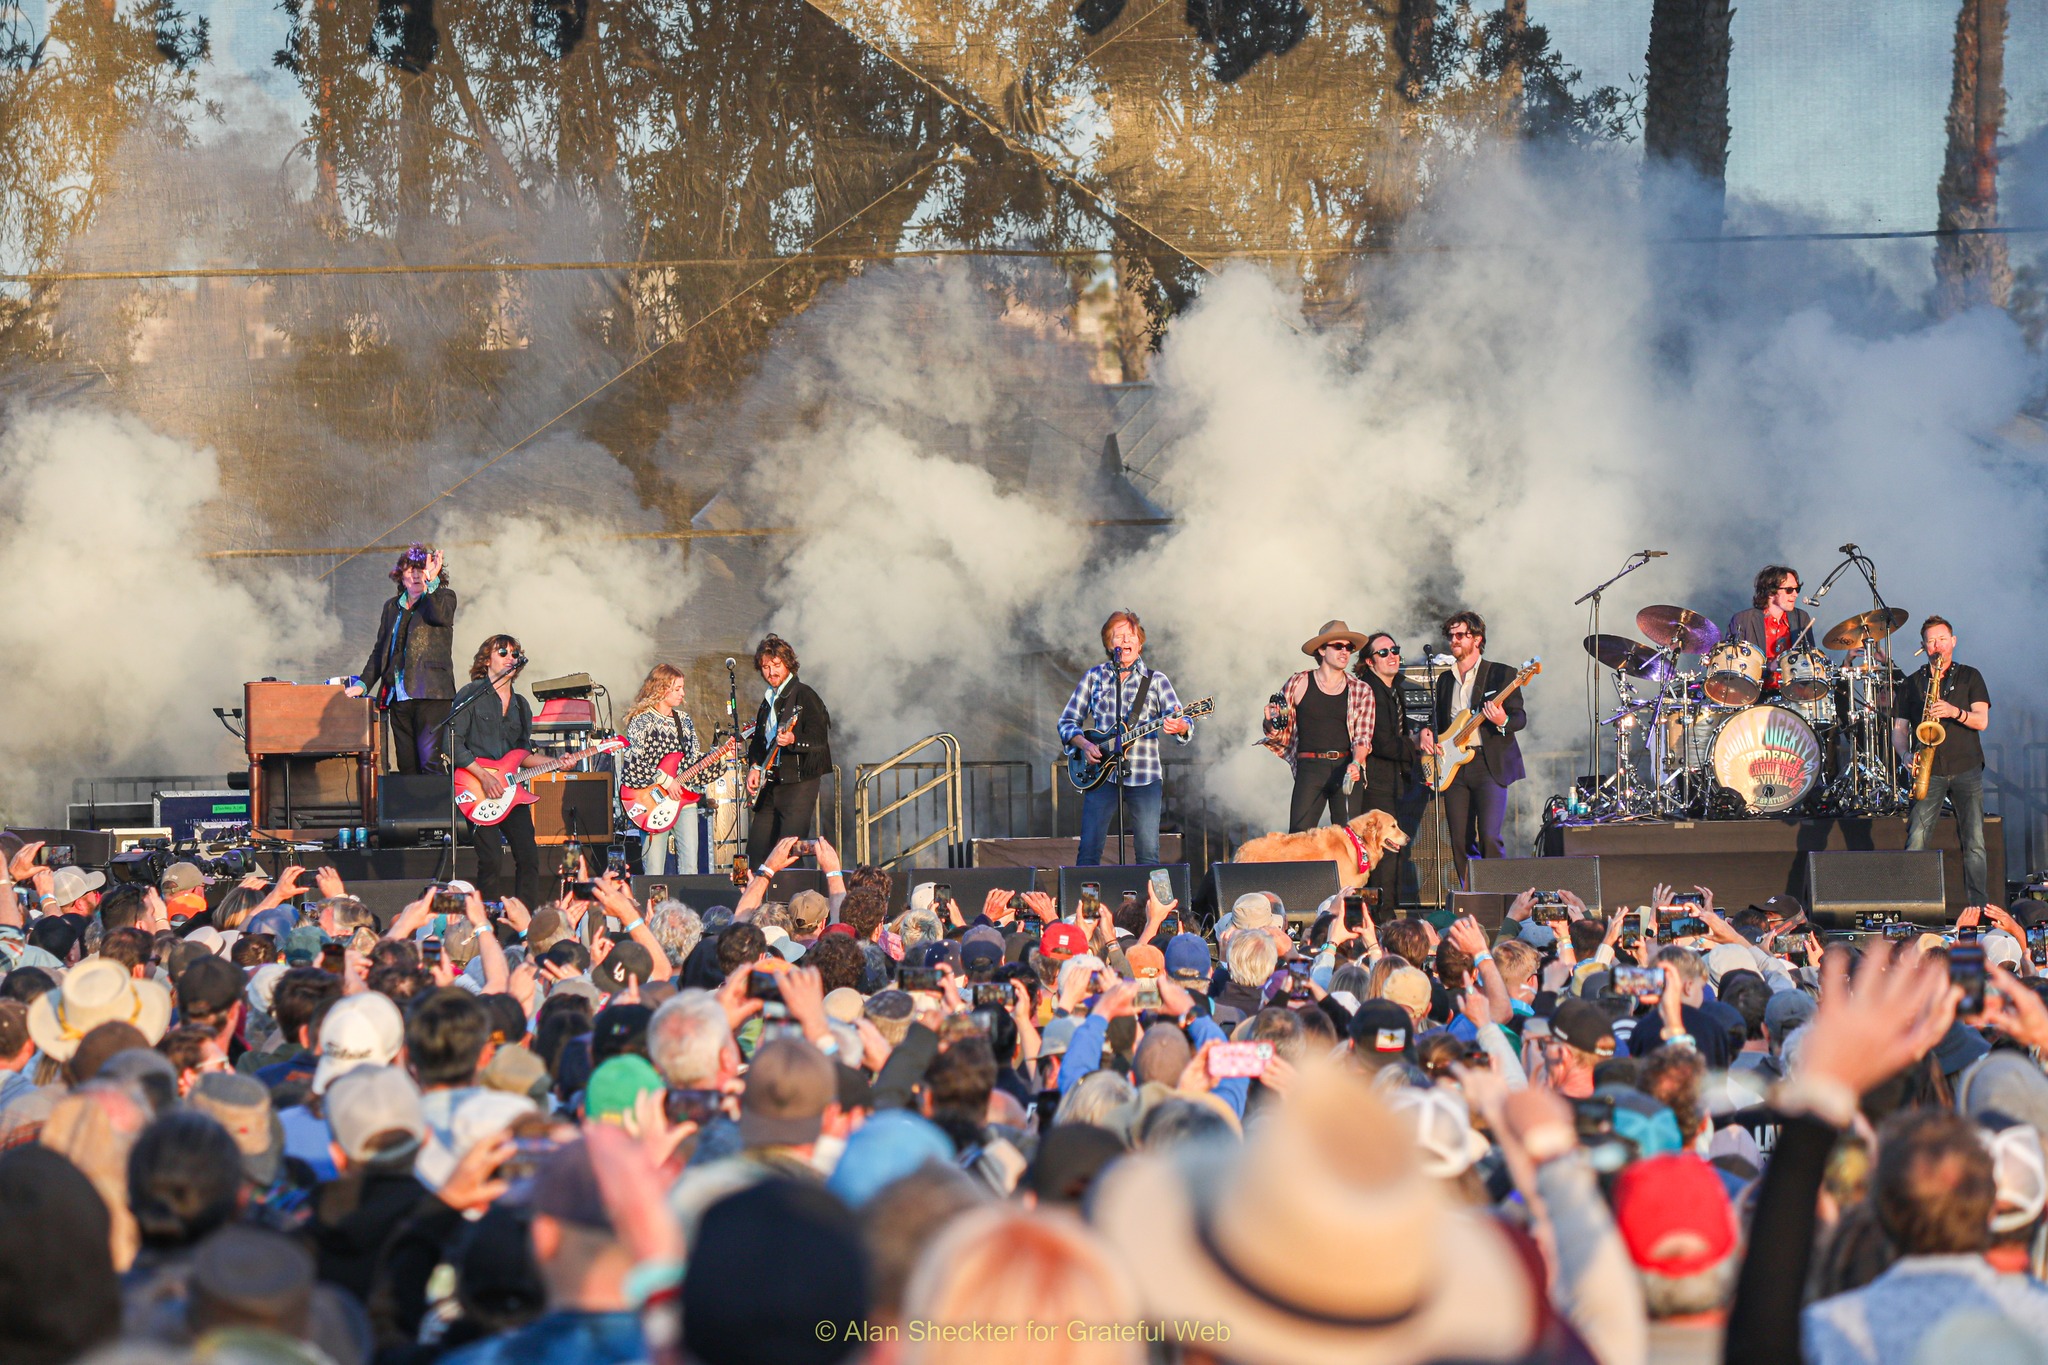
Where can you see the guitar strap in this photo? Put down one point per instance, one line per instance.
(1137, 710)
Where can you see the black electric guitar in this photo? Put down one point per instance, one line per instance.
(1087, 774)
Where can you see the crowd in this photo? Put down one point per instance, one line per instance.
(254, 1123)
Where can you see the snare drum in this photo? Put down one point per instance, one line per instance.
(1805, 675)
(1735, 673)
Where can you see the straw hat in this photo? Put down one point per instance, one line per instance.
(1320, 1242)
(96, 991)
(1333, 631)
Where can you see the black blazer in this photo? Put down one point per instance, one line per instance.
(422, 655)
(1748, 624)
(1498, 753)
(811, 755)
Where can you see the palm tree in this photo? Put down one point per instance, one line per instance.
(1972, 270)
(1685, 112)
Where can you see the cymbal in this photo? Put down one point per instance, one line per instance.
(1688, 632)
(1859, 631)
(1624, 655)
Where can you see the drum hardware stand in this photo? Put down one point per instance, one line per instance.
(1634, 562)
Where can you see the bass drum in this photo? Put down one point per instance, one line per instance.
(1768, 756)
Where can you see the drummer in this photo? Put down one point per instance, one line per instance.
(1775, 622)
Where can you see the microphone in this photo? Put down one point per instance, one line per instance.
(519, 660)
(731, 664)
(1848, 549)
(1653, 554)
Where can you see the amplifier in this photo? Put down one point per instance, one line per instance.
(201, 815)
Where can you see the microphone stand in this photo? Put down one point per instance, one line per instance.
(1117, 679)
(742, 825)
(1634, 562)
(1436, 798)
(447, 730)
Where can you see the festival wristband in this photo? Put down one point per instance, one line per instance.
(650, 1278)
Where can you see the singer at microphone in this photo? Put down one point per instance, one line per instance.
(411, 668)
(495, 723)
(1775, 622)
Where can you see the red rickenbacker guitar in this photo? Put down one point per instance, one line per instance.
(658, 807)
(479, 810)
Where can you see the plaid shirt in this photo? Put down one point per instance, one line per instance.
(1094, 706)
(1359, 708)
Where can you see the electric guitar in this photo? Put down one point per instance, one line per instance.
(479, 809)
(1460, 739)
(1087, 774)
(658, 807)
(767, 768)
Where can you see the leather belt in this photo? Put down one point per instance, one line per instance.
(1334, 753)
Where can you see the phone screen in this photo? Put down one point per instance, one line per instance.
(1162, 885)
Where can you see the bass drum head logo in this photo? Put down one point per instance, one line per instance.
(1768, 756)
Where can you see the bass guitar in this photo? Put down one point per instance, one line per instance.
(490, 810)
(1087, 774)
(657, 808)
(1460, 739)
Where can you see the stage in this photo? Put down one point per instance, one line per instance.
(1744, 861)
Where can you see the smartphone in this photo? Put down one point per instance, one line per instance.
(993, 995)
(808, 848)
(56, 855)
(919, 979)
(430, 951)
(1966, 933)
(764, 986)
(333, 958)
(1030, 924)
(1148, 993)
(1297, 984)
(941, 893)
(615, 863)
(1638, 980)
(1689, 898)
(693, 1106)
(450, 903)
(1168, 927)
(1550, 912)
(1354, 911)
(1091, 896)
(1900, 933)
(1646, 917)
(494, 908)
(1229, 1061)
(1018, 904)
(1593, 1118)
(583, 891)
(1966, 969)
(1687, 926)
(2037, 945)
(1162, 885)
(657, 892)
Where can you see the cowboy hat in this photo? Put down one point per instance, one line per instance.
(1319, 1241)
(1333, 631)
(96, 991)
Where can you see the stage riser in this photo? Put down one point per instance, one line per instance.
(1745, 861)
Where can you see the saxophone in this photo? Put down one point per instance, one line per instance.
(1929, 733)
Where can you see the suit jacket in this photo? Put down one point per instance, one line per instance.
(1498, 753)
(1749, 625)
(811, 755)
(422, 654)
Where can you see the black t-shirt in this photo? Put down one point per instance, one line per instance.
(1389, 722)
(1963, 750)
(1319, 718)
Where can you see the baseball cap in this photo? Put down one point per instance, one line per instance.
(890, 1012)
(1061, 941)
(179, 878)
(2002, 949)
(242, 1106)
(1408, 987)
(302, 945)
(945, 951)
(368, 1103)
(617, 1085)
(67, 884)
(844, 1003)
(1787, 1010)
(1380, 1026)
(359, 1030)
(209, 986)
(1673, 1214)
(1058, 1032)
(1252, 910)
(545, 930)
(1145, 960)
(788, 1087)
(981, 956)
(625, 960)
(1187, 959)
(565, 1187)
(1585, 1026)
(1782, 907)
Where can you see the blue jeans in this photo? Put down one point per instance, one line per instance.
(682, 838)
(1141, 821)
(1967, 791)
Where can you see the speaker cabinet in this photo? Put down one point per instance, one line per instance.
(1905, 885)
(572, 805)
(1114, 881)
(1512, 876)
(411, 804)
(971, 885)
(1301, 887)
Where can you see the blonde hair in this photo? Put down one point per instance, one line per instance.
(1517, 961)
(1252, 956)
(658, 679)
(1002, 1264)
(1377, 974)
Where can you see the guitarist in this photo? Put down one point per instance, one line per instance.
(1146, 694)
(657, 726)
(496, 723)
(1328, 728)
(785, 791)
(1476, 803)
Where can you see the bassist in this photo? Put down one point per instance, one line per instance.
(657, 726)
(786, 758)
(1476, 802)
(490, 727)
(1146, 694)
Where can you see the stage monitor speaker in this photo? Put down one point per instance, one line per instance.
(90, 847)
(971, 885)
(1490, 908)
(1301, 887)
(700, 893)
(410, 804)
(1513, 876)
(1115, 879)
(578, 804)
(1901, 885)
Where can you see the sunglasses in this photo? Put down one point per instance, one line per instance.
(1383, 653)
(1339, 647)
(504, 651)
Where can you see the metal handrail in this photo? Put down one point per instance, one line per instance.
(953, 829)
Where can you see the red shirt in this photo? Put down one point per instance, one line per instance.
(1776, 628)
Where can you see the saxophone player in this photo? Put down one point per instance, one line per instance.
(1951, 696)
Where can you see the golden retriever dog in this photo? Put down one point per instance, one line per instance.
(1375, 830)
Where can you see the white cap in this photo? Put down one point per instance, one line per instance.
(1252, 910)
(484, 1114)
(371, 1101)
(2003, 949)
(359, 1030)
(1443, 1129)
(67, 884)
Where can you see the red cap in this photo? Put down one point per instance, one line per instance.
(1061, 941)
(842, 928)
(1674, 1215)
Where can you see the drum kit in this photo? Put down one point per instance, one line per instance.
(1705, 729)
